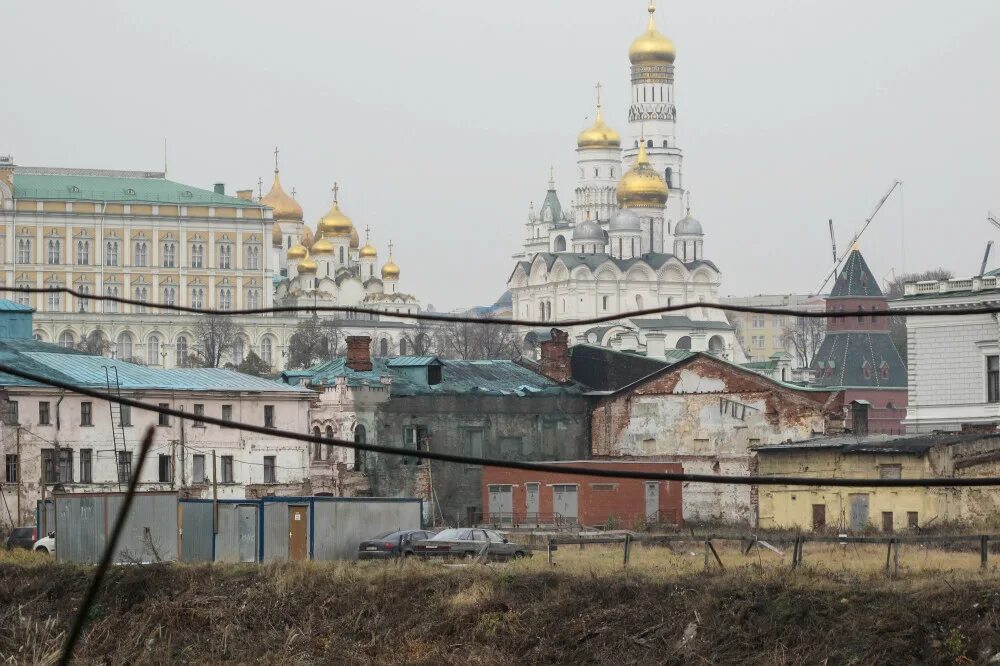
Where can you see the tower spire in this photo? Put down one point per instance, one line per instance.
(552, 177)
(275, 159)
(651, 10)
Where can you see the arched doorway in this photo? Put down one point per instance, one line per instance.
(684, 342)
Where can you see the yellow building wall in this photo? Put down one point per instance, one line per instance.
(792, 507)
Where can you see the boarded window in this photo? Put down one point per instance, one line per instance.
(887, 521)
(511, 448)
(890, 471)
(912, 520)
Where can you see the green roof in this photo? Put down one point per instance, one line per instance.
(75, 367)
(487, 378)
(119, 190)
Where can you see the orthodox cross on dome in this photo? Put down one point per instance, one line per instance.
(336, 190)
(275, 159)
(598, 87)
(260, 188)
(688, 194)
(390, 250)
(368, 233)
(552, 177)
(293, 192)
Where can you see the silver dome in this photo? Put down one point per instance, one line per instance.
(588, 231)
(688, 227)
(625, 220)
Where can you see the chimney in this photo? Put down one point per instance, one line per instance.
(245, 195)
(359, 356)
(555, 356)
(220, 188)
(656, 346)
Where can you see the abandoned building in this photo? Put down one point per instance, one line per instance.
(490, 408)
(694, 409)
(942, 455)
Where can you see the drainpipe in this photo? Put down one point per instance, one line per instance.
(62, 394)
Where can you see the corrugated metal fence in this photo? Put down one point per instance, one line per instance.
(162, 527)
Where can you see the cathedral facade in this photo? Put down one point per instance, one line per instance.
(627, 242)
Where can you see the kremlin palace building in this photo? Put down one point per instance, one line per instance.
(139, 235)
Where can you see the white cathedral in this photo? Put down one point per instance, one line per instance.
(629, 243)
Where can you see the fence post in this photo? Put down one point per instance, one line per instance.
(628, 547)
(895, 557)
(549, 549)
(888, 554)
(802, 543)
(795, 553)
(984, 552)
(706, 554)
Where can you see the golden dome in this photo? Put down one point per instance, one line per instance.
(368, 251)
(355, 239)
(307, 265)
(652, 47)
(390, 271)
(306, 237)
(335, 223)
(297, 252)
(598, 135)
(286, 209)
(642, 186)
(321, 246)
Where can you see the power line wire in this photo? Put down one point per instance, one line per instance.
(534, 323)
(516, 464)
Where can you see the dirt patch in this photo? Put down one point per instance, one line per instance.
(421, 613)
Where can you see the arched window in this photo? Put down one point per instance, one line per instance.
(317, 447)
(266, 349)
(638, 301)
(649, 143)
(111, 253)
(341, 254)
(24, 250)
(83, 252)
(239, 350)
(181, 358)
(329, 435)
(67, 339)
(125, 346)
(684, 343)
(716, 344)
(153, 350)
(360, 437)
(383, 347)
(402, 347)
(141, 253)
(560, 244)
(54, 251)
(612, 172)
(668, 176)
(665, 144)
(83, 304)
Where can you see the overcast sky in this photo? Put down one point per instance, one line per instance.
(440, 118)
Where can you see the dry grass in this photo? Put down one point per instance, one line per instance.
(664, 608)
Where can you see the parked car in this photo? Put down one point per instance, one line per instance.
(21, 537)
(46, 545)
(391, 544)
(469, 542)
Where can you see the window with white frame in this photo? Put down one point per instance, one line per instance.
(23, 298)
(125, 346)
(83, 252)
(153, 350)
(225, 298)
(53, 301)
(253, 298)
(169, 295)
(251, 257)
(111, 253)
(23, 251)
(181, 349)
(141, 258)
(197, 255)
(197, 297)
(266, 349)
(169, 254)
(141, 294)
(83, 303)
(54, 251)
(225, 255)
(111, 290)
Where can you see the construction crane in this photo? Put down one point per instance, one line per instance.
(839, 260)
(833, 241)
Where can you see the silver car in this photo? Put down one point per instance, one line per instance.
(470, 542)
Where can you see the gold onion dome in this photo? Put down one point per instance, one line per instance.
(322, 246)
(652, 47)
(355, 239)
(297, 252)
(598, 135)
(286, 209)
(390, 271)
(368, 251)
(307, 265)
(642, 186)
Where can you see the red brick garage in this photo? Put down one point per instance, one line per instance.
(513, 497)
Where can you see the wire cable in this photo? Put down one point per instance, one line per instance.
(515, 464)
(533, 323)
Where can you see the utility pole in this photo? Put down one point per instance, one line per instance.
(44, 531)
(215, 496)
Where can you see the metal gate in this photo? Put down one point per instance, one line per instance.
(564, 502)
(196, 531)
(246, 524)
(501, 506)
(859, 511)
(652, 501)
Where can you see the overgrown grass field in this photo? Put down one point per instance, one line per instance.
(839, 607)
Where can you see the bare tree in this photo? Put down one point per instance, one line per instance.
(94, 343)
(894, 289)
(254, 365)
(804, 336)
(308, 344)
(421, 339)
(479, 340)
(215, 338)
